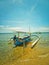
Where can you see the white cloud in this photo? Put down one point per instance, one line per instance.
(23, 29)
(34, 6)
(40, 29)
(44, 29)
(11, 29)
(14, 28)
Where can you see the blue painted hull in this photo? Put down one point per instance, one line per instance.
(21, 41)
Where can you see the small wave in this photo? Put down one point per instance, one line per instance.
(45, 55)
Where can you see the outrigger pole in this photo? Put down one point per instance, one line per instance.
(35, 42)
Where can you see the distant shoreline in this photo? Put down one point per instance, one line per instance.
(32, 32)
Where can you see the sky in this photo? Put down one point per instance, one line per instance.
(20, 14)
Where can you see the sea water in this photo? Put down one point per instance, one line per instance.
(5, 37)
(6, 49)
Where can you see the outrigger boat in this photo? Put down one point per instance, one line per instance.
(25, 40)
(22, 41)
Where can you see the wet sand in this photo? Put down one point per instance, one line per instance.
(25, 56)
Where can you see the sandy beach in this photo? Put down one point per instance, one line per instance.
(26, 56)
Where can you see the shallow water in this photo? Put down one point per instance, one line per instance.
(11, 55)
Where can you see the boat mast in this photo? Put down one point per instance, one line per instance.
(29, 31)
(18, 34)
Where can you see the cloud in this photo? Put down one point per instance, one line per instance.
(34, 6)
(17, 2)
(11, 29)
(9, 2)
(44, 2)
(23, 29)
(40, 29)
(1, 26)
(14, 28)
(44, 29)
